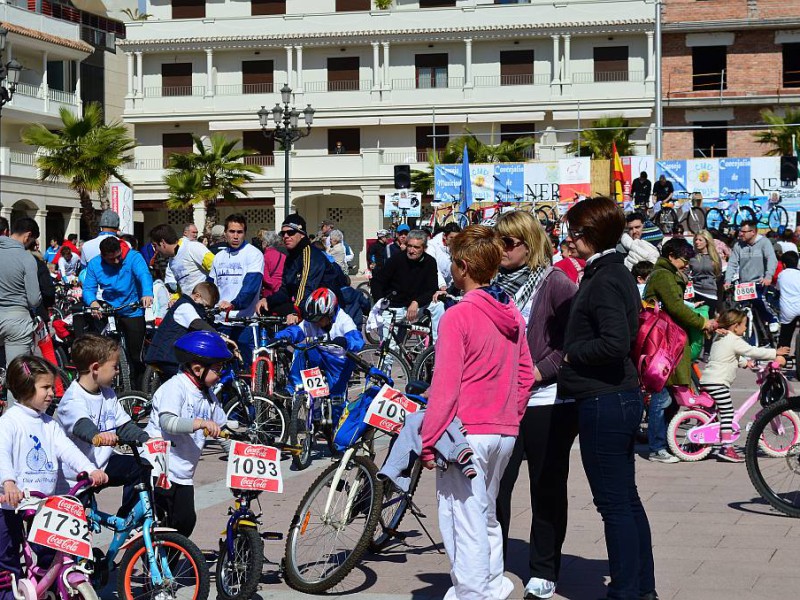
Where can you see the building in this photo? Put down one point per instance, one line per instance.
(724, 61)
(388, 84)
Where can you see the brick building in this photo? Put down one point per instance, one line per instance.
(724, 61)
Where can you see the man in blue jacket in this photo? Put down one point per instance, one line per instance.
(121, 277)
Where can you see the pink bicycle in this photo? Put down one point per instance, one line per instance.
(694, 431)
(68, 577)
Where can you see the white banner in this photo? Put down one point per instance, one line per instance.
(122, 203)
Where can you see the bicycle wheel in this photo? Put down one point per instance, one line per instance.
(543, 216)
(321, 549)
(665, 220)
(395, 365)
(742, 214)
(264, 422)
(695, 219)
(678, 438)
(137, 404)
(423, 365)
(299, 433)
(238, 576)
(394, 504)
(781, 434)
(778, 218)
(715, 219)
(190, 578)
(777, 480)
(151, 380)
(85, 591)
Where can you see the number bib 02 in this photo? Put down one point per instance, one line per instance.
(156, 451)
(60, 524)
(745, 291)
(314, 383)
(253, 467)
(388, 410)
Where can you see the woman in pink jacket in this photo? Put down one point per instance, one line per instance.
(483, 376)
(274, 260)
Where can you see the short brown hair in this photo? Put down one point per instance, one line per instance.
(481, 251)
(208, 292)
(89, 349)
(600, 221)
(731, 317)
(22, 373)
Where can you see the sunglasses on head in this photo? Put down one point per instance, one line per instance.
(511, 243)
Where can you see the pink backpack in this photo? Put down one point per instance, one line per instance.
(658, 348)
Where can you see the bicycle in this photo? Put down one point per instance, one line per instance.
(777, 216)
(693, 432)
(691, 206)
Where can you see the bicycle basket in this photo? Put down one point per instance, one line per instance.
(773, 389)
(351, 424)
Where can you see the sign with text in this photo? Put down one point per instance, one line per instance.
(314, 383)
(388, 410)
(745, 291)
(60, 524)
(254, 468)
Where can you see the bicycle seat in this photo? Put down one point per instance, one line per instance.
(683, 396)
(416, 387)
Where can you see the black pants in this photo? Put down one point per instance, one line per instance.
(546, 435)
(134, 330)
(124, 471)
(787, 331)
(175, 508)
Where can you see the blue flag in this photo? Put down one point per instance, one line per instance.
(466, 184)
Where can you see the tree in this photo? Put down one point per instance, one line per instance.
(214, 172)
(85, 153)
(598, 141)
(135, 15)
(781, 132)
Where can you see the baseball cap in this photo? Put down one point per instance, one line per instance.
(109, 219)
(382, 233)
(403, 228)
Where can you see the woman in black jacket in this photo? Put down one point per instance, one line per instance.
(598, 372)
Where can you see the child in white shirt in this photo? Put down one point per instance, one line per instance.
(789, 286)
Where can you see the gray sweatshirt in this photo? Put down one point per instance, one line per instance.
(19, 284)
(751, 263)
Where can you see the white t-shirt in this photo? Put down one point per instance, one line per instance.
(189, 266)
(789, 285)
(160, 304)
(91, 248)
(441, 253)
(102, 409)
(185, 314)
(787, 246)
(68, 268)
(228, 272)
(181, 397)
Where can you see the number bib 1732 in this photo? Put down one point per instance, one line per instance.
(745, 291)
(253, 467)
(156, 451)
(388, 410)
(314, 383)
(60, 524)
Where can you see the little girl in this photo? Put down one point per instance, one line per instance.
(32, 446)
(728, 352)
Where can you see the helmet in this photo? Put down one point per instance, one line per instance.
(322, 302)
(204, 347)
(490, 222)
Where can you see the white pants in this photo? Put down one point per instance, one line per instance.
(468, 521)
(435, 308)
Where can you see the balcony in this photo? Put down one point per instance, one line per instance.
(494, 81)
(18, 163)
(607, 77)
(237, 89)
(30, 99)
(174, 90)
(427, 83)
(356, 85)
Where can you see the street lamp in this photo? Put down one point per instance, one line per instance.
(286, 130)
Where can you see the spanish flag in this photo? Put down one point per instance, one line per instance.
(617, 175)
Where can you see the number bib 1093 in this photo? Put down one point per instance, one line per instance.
(388, 410)
(60, 524)
(253, 467)
(314, 383)
(745, 291)
(156, 451)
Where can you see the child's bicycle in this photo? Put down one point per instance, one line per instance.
(695, 430)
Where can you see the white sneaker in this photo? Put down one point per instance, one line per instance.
(539, 589)
(663, 456)
(506, 588)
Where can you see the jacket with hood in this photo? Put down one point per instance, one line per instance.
(19, 282)
(485, 369)
(751, 262)
(122, 284)
(305, 270)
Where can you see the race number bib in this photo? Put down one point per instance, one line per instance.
(745, 291)
(156, 451)
(688, 294)
(253, 467)
(111, 327)
(388, 410)
(60, 524)
(314, 383)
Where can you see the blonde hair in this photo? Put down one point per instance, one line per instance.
(525, 227)
(480, 250)
(731, 317)
(712, 251)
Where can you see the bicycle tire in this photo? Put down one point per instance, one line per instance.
(422, 370)
(396, 505)
(137, 405)
(246, 571)
(695, 219)
(399, 369)
(151, 380)
(299, 435)
(260, 380)
(264, 421)
(177, 543)
(679, 444)
(742, 214)
(666, 219)
(778, 218)
(366, 501)
(715, 219)
(124, 375)
(85, 591)
(760, 467)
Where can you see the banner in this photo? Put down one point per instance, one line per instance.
(122, 203)
(541, 181)
(702, 175)
(575, 177)
(399, 199)
(632, 167)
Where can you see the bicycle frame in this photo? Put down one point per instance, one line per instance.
(240, 516)
(262, 354)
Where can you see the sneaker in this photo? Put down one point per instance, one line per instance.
(729, 454)
(539, 588)
(663, 456)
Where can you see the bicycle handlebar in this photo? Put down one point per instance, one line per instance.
(108, 310)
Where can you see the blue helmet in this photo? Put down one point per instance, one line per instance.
(204, 347)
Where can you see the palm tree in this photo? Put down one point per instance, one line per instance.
(781, 134)
(135, 15)
(212, 173)
(598, 141)
(85, 153)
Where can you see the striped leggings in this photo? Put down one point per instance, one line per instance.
(722, 397)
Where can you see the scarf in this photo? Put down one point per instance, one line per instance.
(520, 284)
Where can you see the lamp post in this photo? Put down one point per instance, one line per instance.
(287, 130)
(9, 74)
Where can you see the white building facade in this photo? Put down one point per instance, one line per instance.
(385, 83)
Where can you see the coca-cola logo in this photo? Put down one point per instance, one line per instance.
(251, 483)
(257, 451)
(68, 506)
(158, 446)
(64, 544)
(388, 425)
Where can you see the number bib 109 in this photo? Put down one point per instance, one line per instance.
(60, 524)
(156, 451)
(253, 467)
(388, 410)
(314, 383)
(745, 291)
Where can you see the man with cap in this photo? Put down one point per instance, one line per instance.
(109, 225)
(376, 253)
(398, 246)
(218, 241)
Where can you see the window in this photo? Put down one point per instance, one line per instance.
(344, 141)
(611, 63)
(431, 70)
(176, 79)
(425, 140)
(516, 67)
(267, 7)
(188, 9)
(436, 3)
(348, 5)
(343, 73)
(708, 67)
(263, 145)
(791, 65)
(513, 131)
(257, 76)
(711, 142)
(176, 143)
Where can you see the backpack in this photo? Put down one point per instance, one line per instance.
(658, 347)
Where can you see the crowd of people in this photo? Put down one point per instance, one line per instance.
(535, 352)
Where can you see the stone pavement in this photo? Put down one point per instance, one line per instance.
(714, 538)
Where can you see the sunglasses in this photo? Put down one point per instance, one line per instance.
(511, 243)
(576, 235)
(288, 233)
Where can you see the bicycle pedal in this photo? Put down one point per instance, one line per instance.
(273, 536)
(293, 450)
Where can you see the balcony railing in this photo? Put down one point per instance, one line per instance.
(174, 90)
(152, 164)
(263, 160)
(28, 89)
(607, 76)
(347, 85)
(238, 89)
(63, 97)
(22, 158)
(498, 80)
(427, 83)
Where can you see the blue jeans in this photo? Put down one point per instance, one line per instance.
(656, 423)
(243, 336)
(607, 428)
